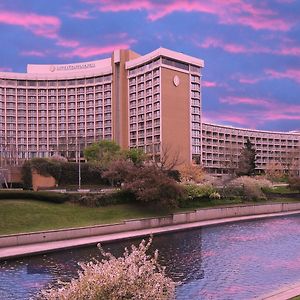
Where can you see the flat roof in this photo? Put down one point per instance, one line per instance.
(164, 52)
(295, 133)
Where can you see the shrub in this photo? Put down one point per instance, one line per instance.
(173, 174)
(252, 188)
(26, 175)
(152, 186)
(294, 183)
(135, 276)
(214, 196)
(191, 173)
(148, 184)
(198, 192)
(42, 196)
(103, 199)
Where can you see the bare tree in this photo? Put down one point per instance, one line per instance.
(166, 158)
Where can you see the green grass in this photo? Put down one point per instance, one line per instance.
(28, 215)
(295, 298)
(281, 190)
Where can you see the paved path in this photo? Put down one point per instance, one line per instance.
(31, 249)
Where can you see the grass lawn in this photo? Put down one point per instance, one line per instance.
(28, 215)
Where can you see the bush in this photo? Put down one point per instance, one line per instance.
(42, 196)
(198, 192)
(43, 166)
(90, 174)
(251, 187)
(173, 174)
(152, 186)
(104, 199)
(294, 183)
(148, 184)
(215, 196)
(135, 276)
(26, 175)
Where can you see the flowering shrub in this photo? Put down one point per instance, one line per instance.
(252, 188)
(135, 276)
(197, 192)
(214, 196)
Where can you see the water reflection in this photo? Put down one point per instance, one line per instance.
(233, 261)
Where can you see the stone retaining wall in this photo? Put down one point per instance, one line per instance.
(173, 219)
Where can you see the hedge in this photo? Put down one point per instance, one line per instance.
(104, 199)
(65, 173)
(90, 174)
(41, 196)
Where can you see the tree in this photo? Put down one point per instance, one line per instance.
(246, 164)
(191, 173)
(102, 152)
(137, 156)
(152, 186)
(135, 275)
(274, 171)
(148, 184)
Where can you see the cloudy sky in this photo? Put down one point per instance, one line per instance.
(251, 48)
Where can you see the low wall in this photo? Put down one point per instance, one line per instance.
(41, 182)
(173, 219)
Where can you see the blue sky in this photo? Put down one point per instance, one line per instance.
(251, 48)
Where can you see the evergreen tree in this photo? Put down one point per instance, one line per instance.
(247, 164)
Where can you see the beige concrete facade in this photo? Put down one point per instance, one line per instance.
(221, 146)
(151, 102)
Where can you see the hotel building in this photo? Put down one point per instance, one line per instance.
(152, 102)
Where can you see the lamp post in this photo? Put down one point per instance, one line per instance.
(79, 164)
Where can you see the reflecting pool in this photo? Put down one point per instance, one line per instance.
(241, 260)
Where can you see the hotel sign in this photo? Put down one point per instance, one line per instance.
(72, 67)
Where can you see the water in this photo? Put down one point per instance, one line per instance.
(234, 261)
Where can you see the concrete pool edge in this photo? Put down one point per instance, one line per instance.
(27, 249)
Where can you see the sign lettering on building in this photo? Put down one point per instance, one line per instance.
(72, 67)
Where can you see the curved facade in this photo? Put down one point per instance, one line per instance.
(49, 108)
(152, 102)
(221, 147)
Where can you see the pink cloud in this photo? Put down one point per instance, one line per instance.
(33, 53)
(228, 12)
(232, 47)
(259, 22)
(5, 69)
(46, 26)
(83, 15)
(262, 111)
(67, 43)
(208, 84)
(227, 116)
(90, 51)
(245, 100)
(211, 42)
(249, 80)
(293, 74)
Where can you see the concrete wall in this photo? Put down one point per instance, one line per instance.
(42, 182)
(175, 116)
(179, 218)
